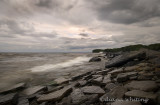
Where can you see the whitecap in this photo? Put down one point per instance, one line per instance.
(69, 63)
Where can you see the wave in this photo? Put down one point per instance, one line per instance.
(69, 63)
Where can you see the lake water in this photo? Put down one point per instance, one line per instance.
(40, 68)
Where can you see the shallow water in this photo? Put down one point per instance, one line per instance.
(40, 68)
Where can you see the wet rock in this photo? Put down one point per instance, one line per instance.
(93, 90)
(34, 89)
(13, 88)
(78, 97)
(142, 85)
(57, 95)
(61, 80)
(126, 103)
(9, 99)
(141, 94)
(123, 59)
(95, 59)
(107, 79)
(110, 86)
(125, 76)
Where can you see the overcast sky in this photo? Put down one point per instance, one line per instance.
(77, 25)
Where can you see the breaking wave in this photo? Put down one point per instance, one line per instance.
(69, 63)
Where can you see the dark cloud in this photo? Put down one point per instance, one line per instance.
(126, 11)
(46, 3)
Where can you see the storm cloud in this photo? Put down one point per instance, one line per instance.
(77, 25)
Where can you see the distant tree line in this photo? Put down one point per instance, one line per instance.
(130, 48)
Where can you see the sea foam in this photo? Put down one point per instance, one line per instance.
(69, 63)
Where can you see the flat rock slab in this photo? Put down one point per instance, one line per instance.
(61, 80)
(57, 95)
(34, 89)
(110, 86)
(118, 92)
(97, 81)
(13, 88)
(141, 94)
(122, 77)
(93, 90)
(9, 99)
(78, 97)
(82, 82)
(126, 103)
(80, 75)
(131, 68)
(123, 59)
(142, 85)
(116, 71)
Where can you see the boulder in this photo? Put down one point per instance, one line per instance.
(78, 97)
(95, 59)
(93, 90)
(126, 103)
(61, 80)
(14, 88)
(123, 59)
(9, 99)
(142, 85)
(55, 96)
(141, 94)
(34, 89)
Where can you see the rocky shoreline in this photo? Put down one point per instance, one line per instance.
(131, 78)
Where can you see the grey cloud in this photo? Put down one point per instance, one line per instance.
(46, 3)
(83, 34)
(126, 11)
